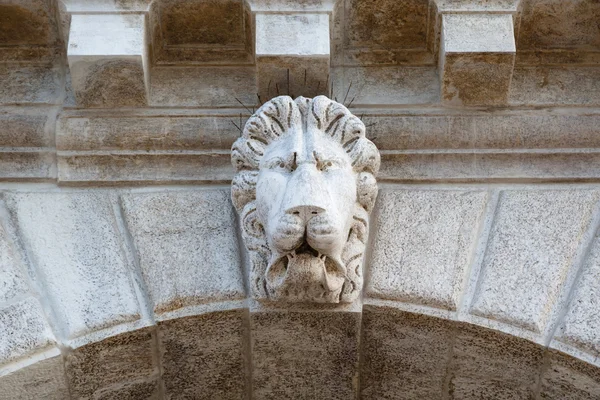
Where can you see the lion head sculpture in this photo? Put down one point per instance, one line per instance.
(304, 188)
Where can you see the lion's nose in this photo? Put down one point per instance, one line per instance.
(305, 212)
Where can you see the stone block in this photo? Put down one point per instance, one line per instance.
(558, 24)
(305, 355)
(43, 380)
(176, 234)
(403, 355)
(147, 133)
(204, 87)
(424, 244)
(487, 364)
(27, 127)
(533, 244)
(385, 85)
(292, 54)
(568, 378)
(34, 165)
(555, 85)
(141, 167)
(476, 58)
(108, 60)
(92, 289)
(30, 83)
(203, 357)
(23, 330)
(581, 325)
(107, 369)
(13, 281)
(457, 6)
(27, 23)
(201, 32)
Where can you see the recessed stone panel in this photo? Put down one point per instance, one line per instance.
(487, 364)
(404, 355)
(533, 243)
(305, 355)
(187, 246)
(424, 244)
(203, 356)
(107, 369)
(30, 83)
(27, 22)
(43, 380)
(77, 230)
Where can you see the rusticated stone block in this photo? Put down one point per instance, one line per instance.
(487, 364)
(535, 237)
(476, 58)
(304, 355)
(108, 60)
(403, 355)
(176, 235)
(112, 367)
(92, 288)
(567, 378)
(581, 326)
(23, 330)
(423, 245)
(13, 281)
(203, 356)
(42, 380)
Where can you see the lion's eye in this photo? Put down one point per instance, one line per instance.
(327, 165)
(281, 164)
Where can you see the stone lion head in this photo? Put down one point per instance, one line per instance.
(304, 188)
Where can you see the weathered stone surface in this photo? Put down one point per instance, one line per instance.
(204, 87)
(424, 244)
(403, 355)
(176, 235)
(386, 85)
(147, 133)
(83, 6)
(203, 356)
(23, 330)
(27, 128)
(111, 167)
(567, 378)
(42, 380)
(555, 85)
(557, 24)
(105, 369)
(108, 60)
(34, 165)
(13, 281)
(27, 23)
(30, 83)
(77, 230)
(292, 54)
(582, 321)
(304, 355)
(476, 58)
(488, 364)
(533, 242)
(194, 31)
(448, 6)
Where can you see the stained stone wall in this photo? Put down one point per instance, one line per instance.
(122, 274)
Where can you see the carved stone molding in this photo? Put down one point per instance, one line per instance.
(304, 188)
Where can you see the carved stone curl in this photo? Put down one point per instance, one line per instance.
(304, 188)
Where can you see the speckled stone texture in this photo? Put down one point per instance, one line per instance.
(203, 357)
(404, 356)
(304, 355)
(533, 243)
(567, 378)
(187, 246)
(42, 380)
(487, 364)
(424, 244)
(114, 368)
(92, 289)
